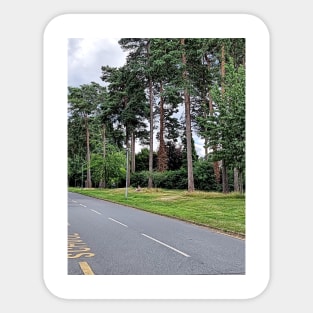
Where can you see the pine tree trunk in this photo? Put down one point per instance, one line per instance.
(223, 69)
(150, 182)
(191, 186)
(88, 180)
(217, 172)
(189, 146)
(103, 133)
(211, 110)
(225, 177)
(128, 152)
(224, 166)
(215, 164)
(241, 182)
(162, 155)
(236, 180)
(133, 154)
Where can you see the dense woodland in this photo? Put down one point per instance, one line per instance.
(168, 91)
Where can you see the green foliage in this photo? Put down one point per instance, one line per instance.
(184, 150)
(109, 116)
(204, 176)
(171, 179)
(225, 127)
(74, 170)
(139, 179)
(97, 168)
(168, 179)
(229, 121)
(203, 171)
(175, 156)
(142, 160)
(110, 169)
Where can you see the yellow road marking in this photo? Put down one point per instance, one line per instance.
(77, 248)
(86, 268)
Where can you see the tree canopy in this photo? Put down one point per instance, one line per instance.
(168, 91)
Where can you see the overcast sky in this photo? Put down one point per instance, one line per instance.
(87, 55)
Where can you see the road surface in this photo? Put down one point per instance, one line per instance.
(111, 239)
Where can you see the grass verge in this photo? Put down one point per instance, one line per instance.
(222, 212)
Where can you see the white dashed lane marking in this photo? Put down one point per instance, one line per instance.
(113, 220)
(95, 211)
(164, 244)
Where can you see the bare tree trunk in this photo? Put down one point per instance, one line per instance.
(103, 133)
(104, 140)
(128, 137)
(162, 155)
(150, 182)
(128, 152)
(189, 146)
(223, 69)
(133, 153)
(191, 186)
(88, 180)
(215, 164)
(236, 180)
(224, 165)
(211, 110)
(241, 182)
(225, 177)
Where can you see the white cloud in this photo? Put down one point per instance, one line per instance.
(85, 58)
(87, 55)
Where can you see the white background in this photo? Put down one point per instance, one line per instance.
(256, 278)
(22, 25)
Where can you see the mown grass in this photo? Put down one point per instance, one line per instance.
(223, 212)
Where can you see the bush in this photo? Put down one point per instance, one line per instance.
(204, 177)
(139, 179)
(175, 179)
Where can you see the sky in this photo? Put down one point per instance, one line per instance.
(86, 56)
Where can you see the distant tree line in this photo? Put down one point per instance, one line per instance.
(162, 78)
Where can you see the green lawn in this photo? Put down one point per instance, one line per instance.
(223, 212)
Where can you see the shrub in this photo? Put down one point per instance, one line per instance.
(203, 178)
(139, 179)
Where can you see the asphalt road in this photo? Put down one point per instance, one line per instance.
(110, 239)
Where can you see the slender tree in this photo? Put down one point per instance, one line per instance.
(139, 53)
(127, 95)
(164, 61)
(150, 179)
(191, 186)
(83, 102)
(230, 119)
